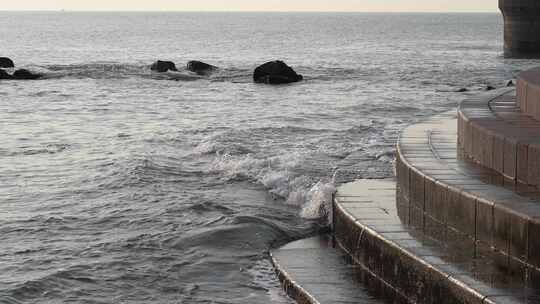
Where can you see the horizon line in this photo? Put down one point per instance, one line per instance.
(245, 11)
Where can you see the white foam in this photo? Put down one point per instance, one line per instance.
(318, 201)
(277, 175)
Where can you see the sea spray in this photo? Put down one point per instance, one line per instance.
(277, 175)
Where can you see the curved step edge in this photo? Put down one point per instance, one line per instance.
(419, 278)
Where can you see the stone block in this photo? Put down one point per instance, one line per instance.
(461, 129)
(501, 229)
(429, 195)
(498, 153)
(462, 213)
(486, 150)
(417, 189)
(476, 144)
(533, 164)
(405, 185)
(438, 208)
(531, 100)
(519, 231)
(521, 94)
(484, 222)
(468, 138)
(510, 157)
(533, 279)
(534, 243)
(536, 101)
(521, 163)
(416, 217)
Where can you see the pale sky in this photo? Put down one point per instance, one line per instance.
(257, 5)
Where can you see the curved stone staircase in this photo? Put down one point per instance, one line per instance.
(460, 222)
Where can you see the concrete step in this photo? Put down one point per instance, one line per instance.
(372, 223)
(494, 132)
(528, 92)
(462, 204)
(312, 271)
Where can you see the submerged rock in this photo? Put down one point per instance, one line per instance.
(5, 75)
(275, 72)
(200, 67)
(490, 88)
(25, 75)
(6, 63)
(462, 90)
(163, 66)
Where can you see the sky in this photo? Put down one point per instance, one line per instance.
(257, 5)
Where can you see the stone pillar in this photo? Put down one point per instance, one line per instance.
(521, 28)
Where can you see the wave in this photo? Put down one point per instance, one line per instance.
(35, 150)
(247, 141)
(282, 177)
(107, 70)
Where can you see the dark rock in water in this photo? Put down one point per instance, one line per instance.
(490, 88)
(200, 67)
(275, 72)
(25, 74)
(163, 66)
(6, 63)
(5, 75)
(462, 90)
(510, 83)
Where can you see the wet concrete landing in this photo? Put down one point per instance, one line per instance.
(313, 272)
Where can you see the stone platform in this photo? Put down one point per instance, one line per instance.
(444, 190)
(496, 133)
(313, 271)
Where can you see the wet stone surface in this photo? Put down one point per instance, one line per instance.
(427, 263)
(312, 271)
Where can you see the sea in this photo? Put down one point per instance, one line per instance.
(123, 185)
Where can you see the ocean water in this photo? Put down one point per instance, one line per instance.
(120, 185)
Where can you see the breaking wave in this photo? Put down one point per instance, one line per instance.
(282, 177)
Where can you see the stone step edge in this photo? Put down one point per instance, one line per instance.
(528, 91)
(293, 289)
(355, 282)
(514, 214)
(433, 277)
(485, 143)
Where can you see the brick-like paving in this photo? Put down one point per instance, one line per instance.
(375, 227)
(495, 133)
(453, 193)
(314, 272)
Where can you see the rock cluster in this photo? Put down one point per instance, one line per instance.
(20, 74)
(273, 72)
